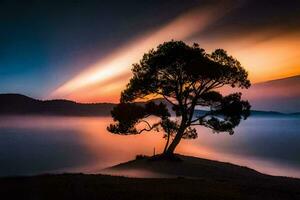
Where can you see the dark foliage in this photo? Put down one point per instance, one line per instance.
(128, 115)
(186, 77)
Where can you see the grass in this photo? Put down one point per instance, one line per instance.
(218, 183)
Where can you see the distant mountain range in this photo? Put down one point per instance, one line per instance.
(282, 95)
(17, 104)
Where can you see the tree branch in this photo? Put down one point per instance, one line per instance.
(141, 120)
(149, 129)
(201, 117)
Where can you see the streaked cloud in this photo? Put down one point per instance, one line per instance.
(266, 46)
(99, 82)
(266, 55)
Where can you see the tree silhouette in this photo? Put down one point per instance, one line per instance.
(187, 78)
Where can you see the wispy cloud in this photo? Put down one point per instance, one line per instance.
(100, 81)
(266, 54)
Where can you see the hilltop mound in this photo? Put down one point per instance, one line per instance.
(184, 166)
(210, 180)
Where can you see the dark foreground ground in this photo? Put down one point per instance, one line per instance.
(214, 180)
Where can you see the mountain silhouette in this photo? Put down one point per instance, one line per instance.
(282, 95)
(17, 104)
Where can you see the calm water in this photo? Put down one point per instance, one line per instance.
(34, 145)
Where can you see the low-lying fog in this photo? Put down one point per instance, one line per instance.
(34, 145)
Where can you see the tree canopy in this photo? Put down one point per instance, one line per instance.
(187, 78)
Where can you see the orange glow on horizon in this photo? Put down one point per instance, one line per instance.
(265, 57)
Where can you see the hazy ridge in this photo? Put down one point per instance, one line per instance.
(282, 95)
(18, 104)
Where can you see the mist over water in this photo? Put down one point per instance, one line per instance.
(35, 145)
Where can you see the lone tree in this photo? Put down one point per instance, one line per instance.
(187, 78)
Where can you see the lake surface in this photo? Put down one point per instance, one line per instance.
(35, 145)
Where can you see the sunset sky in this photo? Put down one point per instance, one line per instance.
(83, 50)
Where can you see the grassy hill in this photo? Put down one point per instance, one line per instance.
(185, 166)
(206, 180)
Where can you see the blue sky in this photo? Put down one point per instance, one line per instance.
(45, 43)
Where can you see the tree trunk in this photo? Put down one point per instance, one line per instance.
(178, 136)
(175, 142)
(167, 143)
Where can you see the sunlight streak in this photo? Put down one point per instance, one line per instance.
(266, 55)
(120, 61)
